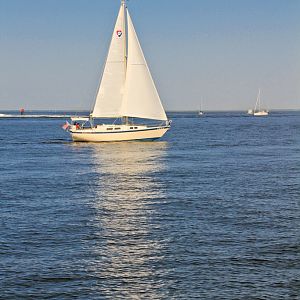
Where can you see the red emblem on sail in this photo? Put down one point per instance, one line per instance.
(119, 33)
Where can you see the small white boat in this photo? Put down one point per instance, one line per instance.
(261, 113)
(258, 112)
(126, 92)
(200, 112)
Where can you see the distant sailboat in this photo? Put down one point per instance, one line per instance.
(126, 91)
(258, 112)
(200, 112)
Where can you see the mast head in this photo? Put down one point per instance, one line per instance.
(123, 2)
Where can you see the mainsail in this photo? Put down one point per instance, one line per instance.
(110, 93)
(127, 90)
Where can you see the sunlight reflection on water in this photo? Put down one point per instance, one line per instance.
(126, 188)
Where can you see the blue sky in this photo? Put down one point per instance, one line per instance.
(220, 51)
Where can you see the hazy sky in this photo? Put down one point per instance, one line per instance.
(220, 51)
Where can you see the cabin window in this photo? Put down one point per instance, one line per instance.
(117, 128)
(131, 127)
(135, 128)
(109, 129)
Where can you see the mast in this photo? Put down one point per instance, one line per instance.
(257, 101)
(123, 3)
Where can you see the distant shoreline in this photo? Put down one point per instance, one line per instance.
(56, 114)
(72, 111)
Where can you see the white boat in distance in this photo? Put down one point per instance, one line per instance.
(126, 91)
(258, 112)
(200, 112)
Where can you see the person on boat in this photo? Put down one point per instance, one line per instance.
(77, 125)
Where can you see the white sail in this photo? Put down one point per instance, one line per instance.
(141, 99)
(110, 93)
(257, 104)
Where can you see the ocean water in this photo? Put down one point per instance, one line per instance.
(210, 211)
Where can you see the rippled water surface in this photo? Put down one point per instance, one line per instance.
(211, 211)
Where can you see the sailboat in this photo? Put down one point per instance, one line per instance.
(200, 112)
(258, 112)
(126, 92)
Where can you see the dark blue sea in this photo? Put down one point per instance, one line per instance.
(210, 211)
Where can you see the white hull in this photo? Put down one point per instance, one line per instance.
(117, 133)
(260, 113)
